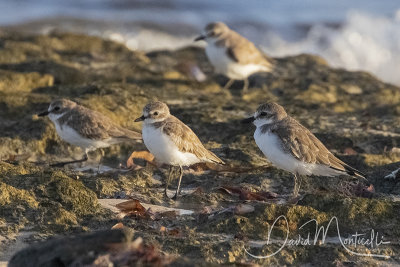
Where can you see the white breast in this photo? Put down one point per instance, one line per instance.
(270, 145)
(225, 65)
(218, 58)
(164, 149)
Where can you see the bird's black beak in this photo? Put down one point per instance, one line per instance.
(142, 118)
(201, 37)
(248, 120)
(45, 113)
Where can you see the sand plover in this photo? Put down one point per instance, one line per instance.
(171, 141)
(233, 55)
(85, 128)
(292, 147)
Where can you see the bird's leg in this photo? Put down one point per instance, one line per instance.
(229, 84)
(101, 160)
(245, 85)
(170, 171)
(179, 183)
(299, 180)
(62, 164)
(295, 192)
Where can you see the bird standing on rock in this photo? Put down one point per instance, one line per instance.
(171, 141)
(232, 54)
(86, 128)
(292, 147)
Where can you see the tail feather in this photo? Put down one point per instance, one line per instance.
(351, 171)
(340, 166)
(269, 63)
(354, 172)
(132, 134)
(213, 158)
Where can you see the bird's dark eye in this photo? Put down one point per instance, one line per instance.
(57, 108)
(155, 113)
(263, 114)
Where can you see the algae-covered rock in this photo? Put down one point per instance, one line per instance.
(11, 195)
(15, 82)
(43, 199)
(353, 113)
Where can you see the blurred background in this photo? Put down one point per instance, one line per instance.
(356, 35)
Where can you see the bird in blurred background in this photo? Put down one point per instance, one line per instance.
(233, 55)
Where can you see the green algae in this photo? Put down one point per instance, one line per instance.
(70, 193)
(257, 225)
(18, 82)
(43, 199)
(12, 195)
(111, 185)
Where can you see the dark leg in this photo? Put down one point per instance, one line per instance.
(170, 171)
(62, 164)
(295, 192)
(245, 85)
(179, 183)
(297, 184)
(229, 84)
(299, 180)
(101, 160)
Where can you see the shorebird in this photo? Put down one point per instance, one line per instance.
(292, 147)
(85, 128)
(171, 141)
(232, 54)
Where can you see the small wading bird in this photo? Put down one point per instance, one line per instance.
(171, 141)
(233, 55)
(292, 147)
(85, 128)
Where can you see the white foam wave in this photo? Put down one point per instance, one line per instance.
(363, 42)
(149, 40)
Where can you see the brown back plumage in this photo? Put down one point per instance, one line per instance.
(94, 125)
(243, 51)
(185, 139)
(238, 48)
(304, 146)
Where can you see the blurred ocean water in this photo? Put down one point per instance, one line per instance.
(356, 35)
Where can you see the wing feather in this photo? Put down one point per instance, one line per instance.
(187, 141)
(305, 146)
(94, 125)
(242, 51)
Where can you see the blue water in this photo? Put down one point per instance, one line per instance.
(273, 12)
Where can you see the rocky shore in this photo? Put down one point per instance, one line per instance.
(354, 114)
